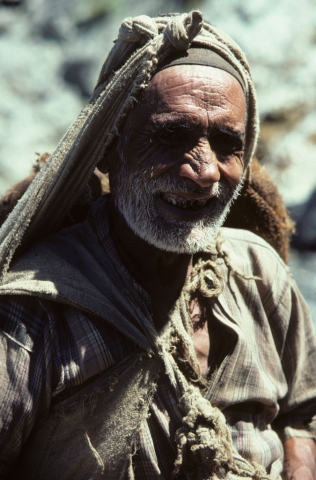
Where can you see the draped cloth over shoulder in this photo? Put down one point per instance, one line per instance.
(142, 44)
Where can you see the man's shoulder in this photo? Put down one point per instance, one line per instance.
(48, 270)
(250, 242)
(245, 236)
(47, 259)
(54, 265)
(71, 267)
(252, 255)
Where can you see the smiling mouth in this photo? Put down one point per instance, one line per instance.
(184, 203)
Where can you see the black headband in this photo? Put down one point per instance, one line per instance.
(201, 56)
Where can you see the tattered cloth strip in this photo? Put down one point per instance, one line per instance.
(142, 43)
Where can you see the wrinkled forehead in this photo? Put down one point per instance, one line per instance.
(186, 84)
(192, 94)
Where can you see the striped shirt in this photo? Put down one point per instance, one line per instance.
(265, 383)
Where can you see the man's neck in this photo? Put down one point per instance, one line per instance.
(162, 274)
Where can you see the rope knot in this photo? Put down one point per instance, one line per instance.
(204, 444)
(135, 29)
(203, 439)
(207, 278)
(181, 30)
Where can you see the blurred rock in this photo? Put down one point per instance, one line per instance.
(305, 217)
(11, 3)
(76, 74)
(303, 267)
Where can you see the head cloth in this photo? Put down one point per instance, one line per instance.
(201, 56)
(142, 44)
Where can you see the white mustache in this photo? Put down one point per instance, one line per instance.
(165, 184)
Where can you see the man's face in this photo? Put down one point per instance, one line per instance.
(181, 157)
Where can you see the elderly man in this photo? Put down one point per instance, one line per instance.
(147, 342)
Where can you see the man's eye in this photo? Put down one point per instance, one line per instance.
(226, 145)
(170, 137)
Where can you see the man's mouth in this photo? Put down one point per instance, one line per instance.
(185, 203)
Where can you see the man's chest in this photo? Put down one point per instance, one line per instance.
(201, 336)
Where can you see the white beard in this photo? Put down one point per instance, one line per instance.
(135, 196)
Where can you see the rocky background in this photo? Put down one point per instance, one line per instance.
(51, 52)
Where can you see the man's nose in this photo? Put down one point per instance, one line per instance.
(201, 166)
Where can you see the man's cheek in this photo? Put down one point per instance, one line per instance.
(233, 171)
(151, 156)
(138, 153)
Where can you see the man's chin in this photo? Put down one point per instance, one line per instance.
(177, 241)
(184, 247)
(170, 235)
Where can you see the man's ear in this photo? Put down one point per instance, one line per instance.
(110, 157)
